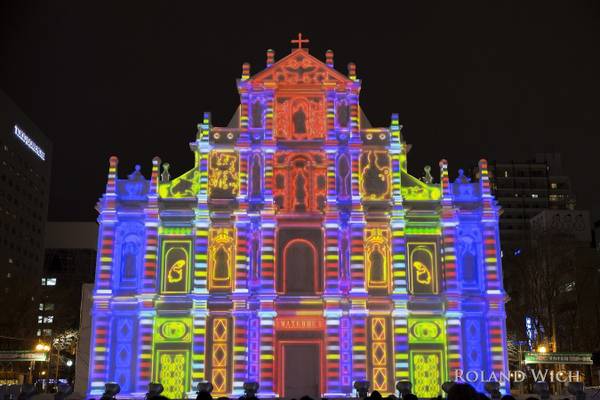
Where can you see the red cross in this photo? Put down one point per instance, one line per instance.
(300, 41)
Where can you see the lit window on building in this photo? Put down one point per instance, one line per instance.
(39, 332)
(48, 319)
(553, 185)
(46, 307)
(40, 319)
(534, 195)
(47, 332)
(48, 281)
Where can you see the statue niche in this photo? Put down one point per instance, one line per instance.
(129, 258)
(300, 181)
(300, 185)
(299, 121)
(300, 117)
(468, 254)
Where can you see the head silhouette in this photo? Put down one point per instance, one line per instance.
(375, 395)
(204, 395)
(462, 391)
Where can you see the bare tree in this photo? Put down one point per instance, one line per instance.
(65, 341)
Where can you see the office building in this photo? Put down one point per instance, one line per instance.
(25, 161)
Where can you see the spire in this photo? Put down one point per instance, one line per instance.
(245, 71)
(270, 57)
(329, 58)
(154, 179)
(445, 181)
(484, 178)
(111, 184)
(352, 71)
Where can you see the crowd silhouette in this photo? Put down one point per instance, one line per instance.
(457, 391)
(454, 391)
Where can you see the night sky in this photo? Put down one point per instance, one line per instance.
(501, 80)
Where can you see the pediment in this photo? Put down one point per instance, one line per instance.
(297, 68)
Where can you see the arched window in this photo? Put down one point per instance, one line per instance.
(377, 273)
(255, 254)
(468, 254)
(343, 114)
(257, 114)
(422, 265)
(256, 176)
(300, 268)
(221, 271)
(344, 175)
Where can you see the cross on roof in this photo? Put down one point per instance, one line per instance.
(299, 41)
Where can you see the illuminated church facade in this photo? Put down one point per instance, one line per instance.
(298, 252)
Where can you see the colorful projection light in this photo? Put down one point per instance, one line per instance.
(297, 252)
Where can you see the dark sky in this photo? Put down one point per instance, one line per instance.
(494, 79)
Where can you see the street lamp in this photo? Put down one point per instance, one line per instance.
(542, 349)
(42, 347)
